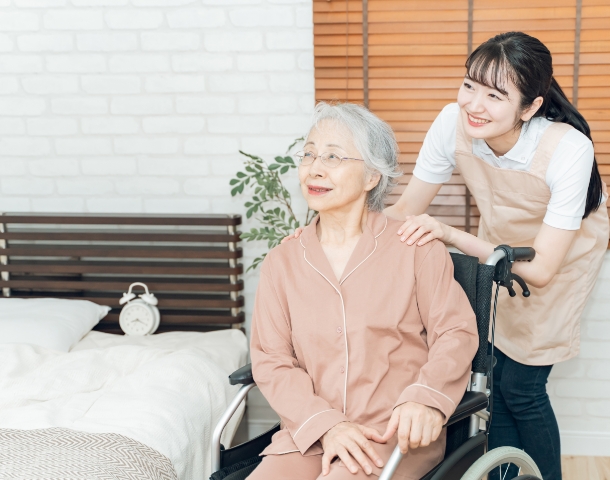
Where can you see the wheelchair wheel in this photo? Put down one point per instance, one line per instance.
(499, 456)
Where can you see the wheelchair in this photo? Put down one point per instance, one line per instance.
(466, 455)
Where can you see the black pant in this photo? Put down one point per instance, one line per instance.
(523, 417)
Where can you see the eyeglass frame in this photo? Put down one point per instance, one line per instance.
(341, 159)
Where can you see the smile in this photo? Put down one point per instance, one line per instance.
(313, 190)
(477, 122)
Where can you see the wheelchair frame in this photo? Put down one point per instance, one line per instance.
(473, 405)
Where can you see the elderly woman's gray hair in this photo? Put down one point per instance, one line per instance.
(373, 138)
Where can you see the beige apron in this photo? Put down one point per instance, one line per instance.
(545, 328)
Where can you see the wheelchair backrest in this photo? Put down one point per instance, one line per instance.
(477, 281)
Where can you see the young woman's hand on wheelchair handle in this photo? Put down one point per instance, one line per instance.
(417, 425)
(352, 444)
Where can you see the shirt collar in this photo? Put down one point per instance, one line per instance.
(522, 151)
(376, 223)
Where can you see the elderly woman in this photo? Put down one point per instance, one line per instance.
(353, 364)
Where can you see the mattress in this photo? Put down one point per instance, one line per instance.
(165, 391)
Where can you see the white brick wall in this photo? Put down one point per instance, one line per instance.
(580, 388)
(141, 106)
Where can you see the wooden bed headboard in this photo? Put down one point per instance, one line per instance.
(190, 262)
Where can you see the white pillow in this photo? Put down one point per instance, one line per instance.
(52, 323)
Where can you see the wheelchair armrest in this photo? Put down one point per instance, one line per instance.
(471, 403)
(242, 376)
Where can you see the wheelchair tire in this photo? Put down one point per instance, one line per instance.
(499, 456)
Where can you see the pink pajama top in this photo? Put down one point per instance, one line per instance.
(396, 328)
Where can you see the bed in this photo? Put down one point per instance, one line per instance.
(117, 406)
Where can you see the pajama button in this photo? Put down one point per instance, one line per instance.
(339, 330)
(342, 370)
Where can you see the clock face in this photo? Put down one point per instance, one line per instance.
(137, 319)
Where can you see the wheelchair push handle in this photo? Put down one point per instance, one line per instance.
(503, 258)
(512, 254)
(523, 254)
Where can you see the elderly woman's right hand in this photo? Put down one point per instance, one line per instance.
(296, 234)
(350, 441)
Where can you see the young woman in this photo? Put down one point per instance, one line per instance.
(526, 155)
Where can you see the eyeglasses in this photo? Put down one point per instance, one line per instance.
(331, 160)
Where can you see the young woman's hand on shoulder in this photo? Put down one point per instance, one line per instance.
(294, 236)
(421, 229)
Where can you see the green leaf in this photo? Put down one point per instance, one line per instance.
(300, 139)
(233, 181)
(284, 169)
(240, 174)
(253, 157)
(274, 166)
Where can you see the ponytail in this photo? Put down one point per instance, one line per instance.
(557, 108)
(528, 64)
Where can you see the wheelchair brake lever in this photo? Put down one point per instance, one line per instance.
(522, 284)
(509, 287)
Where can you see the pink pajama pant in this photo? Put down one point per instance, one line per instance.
(294, 466)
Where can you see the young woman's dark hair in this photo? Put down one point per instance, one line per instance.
(527, 63)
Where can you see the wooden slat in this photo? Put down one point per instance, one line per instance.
(526, 4)
(114, 283)
(125, 267)
(102, 219)
(165, 300)
(120, 251)
(120, 236)
(114, 328)
(176, 317)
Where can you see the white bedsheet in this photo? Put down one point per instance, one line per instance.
(166, 391)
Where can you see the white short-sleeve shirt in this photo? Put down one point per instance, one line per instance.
(567, 176)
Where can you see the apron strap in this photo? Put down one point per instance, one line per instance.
(547, 146)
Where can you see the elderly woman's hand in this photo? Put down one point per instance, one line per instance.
(417, 425)
(351, 443)
(422, 229)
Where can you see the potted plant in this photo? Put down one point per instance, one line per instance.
(270, 202)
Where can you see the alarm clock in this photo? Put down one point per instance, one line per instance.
(139, 316)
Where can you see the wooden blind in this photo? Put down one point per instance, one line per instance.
(417, 51)
(416, 55)
(338, 50)
(594, 78)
